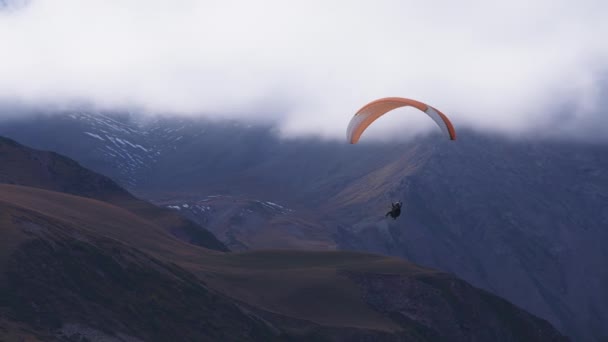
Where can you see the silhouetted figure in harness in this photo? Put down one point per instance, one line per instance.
(395, 211)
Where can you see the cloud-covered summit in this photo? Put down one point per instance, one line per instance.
(510, 66)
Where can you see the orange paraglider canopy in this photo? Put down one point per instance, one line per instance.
(375, 109)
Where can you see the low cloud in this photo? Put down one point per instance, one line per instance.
(505, 66)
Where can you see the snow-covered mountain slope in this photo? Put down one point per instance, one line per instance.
(125, 145)
(118, 145)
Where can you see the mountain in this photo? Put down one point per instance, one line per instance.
(75, 268)
(70, 271)
(188, 161)
(525, 220)
(166, 154)
(244, 223)
(522, 219)
(48, 170)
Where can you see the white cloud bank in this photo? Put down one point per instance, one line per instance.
(513, 66)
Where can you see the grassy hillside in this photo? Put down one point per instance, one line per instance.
(77, 265)
(48, 170)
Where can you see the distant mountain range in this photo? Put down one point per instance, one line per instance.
(80, 260)
(523, 219)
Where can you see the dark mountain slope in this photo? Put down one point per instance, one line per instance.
(61, 280)
(65, 271)
(51, 171)
(526, 220)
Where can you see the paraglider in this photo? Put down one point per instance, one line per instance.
(395, 210)
(375, 109)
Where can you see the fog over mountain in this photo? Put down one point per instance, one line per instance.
(508, 66)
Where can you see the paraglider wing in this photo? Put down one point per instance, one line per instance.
(375, 109)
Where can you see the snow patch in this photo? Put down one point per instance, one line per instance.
(95, 136)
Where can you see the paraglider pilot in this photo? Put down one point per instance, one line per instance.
(395, 211)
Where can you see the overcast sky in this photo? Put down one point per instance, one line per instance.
(514, 66)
